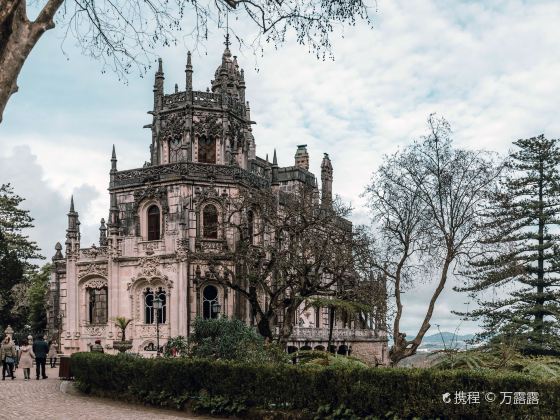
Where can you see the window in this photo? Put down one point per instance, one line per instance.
(175, 149)
(250, 225)
(97, 308)
(210, 222)
(150, 311)
(210, 305)
(153, 223)
(206, 149)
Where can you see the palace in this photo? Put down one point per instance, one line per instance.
(164, 218)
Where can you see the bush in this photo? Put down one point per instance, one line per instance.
(230, 385)
(232, 339)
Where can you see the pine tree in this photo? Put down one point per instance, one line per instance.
(13, 220)
(521, 252)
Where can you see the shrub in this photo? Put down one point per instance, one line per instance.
(350, 391)
(232, 339)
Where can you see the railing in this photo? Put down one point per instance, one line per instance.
(93, 252)
(346, 334)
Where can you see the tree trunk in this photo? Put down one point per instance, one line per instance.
(331, 327)
(18, 36)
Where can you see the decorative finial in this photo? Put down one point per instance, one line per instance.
(176, 88)
(72, 204)
(113, 159)
(160, 65)
(274, 160)
(189, 63)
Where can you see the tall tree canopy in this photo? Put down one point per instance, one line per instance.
(521, 250)
(426, 201)
(16, 253)
(124, 33)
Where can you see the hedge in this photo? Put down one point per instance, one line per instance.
(366, 391)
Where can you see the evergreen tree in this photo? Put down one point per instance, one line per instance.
(521, 251)
(13, 220)
(16, 253)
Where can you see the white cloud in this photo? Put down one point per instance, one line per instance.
(489, 67)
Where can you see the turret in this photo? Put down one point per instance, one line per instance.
(326, 181)
(158, 86)
(188, 74)
(275, 170)
(102, 233)
(113, 160)
(302, 157)
(242, 87)
(114, 221)
(73, 230)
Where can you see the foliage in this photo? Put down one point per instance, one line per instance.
(13, 222)
(364, 391)
(521, 249)
(496, 359)
(231, 339)
(323, 358)
(17, 274)
(122, 322)
(217, 405)
(177, 346)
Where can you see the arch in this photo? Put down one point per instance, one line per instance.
(305, 348)
(320, 348)
(150, 312)
(292, 349)
(343, 350)
(97, 305)
(206, 149)
(154, 223)
(210, 221)
(210, 302)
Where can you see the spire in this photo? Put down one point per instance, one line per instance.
(158, 85)
(275, 169)
(188, 73)
(326, 181)
(73, 230)
(113, 160)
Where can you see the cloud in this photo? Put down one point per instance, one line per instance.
(489, 67)
(47, 205)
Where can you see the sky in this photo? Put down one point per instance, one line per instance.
(489, 67)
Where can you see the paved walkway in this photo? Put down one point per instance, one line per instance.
(43, 399)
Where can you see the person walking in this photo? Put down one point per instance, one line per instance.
(41, 349)
(8, 355)
(97, 347)
(26, 357)
(52, 354)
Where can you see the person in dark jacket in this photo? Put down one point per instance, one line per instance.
(40, 349)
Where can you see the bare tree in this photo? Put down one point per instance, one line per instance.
(287, 249)
(426, 202)
(123, 33)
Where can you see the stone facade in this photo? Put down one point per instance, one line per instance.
(163, 225)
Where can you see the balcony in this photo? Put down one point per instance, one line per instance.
(339, 334)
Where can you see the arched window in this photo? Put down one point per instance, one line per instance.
(251, 225)
(206, 149)
(210, 305)
(175, 149)
(97, 306)
(153, 223)
(150, 311)
(210, 222)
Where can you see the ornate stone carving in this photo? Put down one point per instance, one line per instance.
(95, 283)
(95, 331)
(93, 252)
(172, 126)
(156, 193)
(92, 269)
(208, 125)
